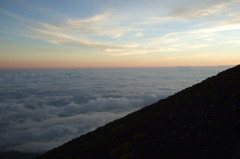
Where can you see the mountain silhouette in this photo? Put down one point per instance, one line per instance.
(200, 122)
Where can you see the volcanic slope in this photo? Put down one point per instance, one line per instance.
(200, 122)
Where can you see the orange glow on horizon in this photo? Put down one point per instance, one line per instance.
(33, 65)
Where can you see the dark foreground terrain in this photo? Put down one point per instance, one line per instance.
(200, 122)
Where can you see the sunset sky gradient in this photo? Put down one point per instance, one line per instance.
(118, 33)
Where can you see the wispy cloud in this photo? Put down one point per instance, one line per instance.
(186, 13)
(101, 25)
(14, 15)
(187, 9)
(115, 34)
(136, 51)
(78, 32)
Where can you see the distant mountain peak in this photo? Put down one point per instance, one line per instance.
(200, 122)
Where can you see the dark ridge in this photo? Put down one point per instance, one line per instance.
(200, 122)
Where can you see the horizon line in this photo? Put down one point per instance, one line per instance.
(117, 67)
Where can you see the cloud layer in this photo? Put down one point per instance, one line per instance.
(42, 109)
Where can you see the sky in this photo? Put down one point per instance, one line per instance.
(118, 33)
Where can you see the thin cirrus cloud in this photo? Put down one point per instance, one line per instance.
(79, 32)
(193, 9)
(114, 33)
(187, 9)
(101, 24)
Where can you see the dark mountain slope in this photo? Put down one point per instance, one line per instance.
(200, 122)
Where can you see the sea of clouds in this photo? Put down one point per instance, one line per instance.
(42, 109)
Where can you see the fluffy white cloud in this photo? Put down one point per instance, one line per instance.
(42, 109)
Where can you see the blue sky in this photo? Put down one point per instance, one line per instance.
(114, 33)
